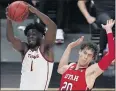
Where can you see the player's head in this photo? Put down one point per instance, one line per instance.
(88, 52)
(34, 33)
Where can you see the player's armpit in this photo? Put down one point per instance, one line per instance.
(47, 52)
(94, 70)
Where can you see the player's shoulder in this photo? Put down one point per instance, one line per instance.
(71, 65)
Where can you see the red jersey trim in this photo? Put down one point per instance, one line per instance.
(47, 75)
(45, 57)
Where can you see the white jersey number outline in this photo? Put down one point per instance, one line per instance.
(67, 86)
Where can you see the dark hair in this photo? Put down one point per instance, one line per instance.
(39, 27)
(91, 46)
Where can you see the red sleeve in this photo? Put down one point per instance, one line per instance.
(109, 57)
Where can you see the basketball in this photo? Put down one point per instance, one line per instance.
(18, 11)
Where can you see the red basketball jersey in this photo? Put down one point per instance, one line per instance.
(74, 79)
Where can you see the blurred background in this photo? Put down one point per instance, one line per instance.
(72, 24)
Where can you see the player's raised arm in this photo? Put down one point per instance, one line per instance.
(16, 43)
(63, 65)
(107, 59)
(50, 35)
(51, 32)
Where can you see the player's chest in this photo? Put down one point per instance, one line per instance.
(74, 75)
(34, 58)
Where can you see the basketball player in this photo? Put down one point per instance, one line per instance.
(38, 56)
(105, 10)
(79, 76)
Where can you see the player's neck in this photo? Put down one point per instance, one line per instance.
(78, 66)
(34, 49)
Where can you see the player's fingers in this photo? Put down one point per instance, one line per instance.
(111, 21)
(81, 36)
(102, 25)
(81, 39)
(108, 21)
(8, 18)
(6, 9)
(114, 21)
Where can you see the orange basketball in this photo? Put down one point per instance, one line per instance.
(18, 11)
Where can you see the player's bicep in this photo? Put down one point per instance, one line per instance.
(95, 70)
(17, 44)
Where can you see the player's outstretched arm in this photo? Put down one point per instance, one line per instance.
(107, 59)
(63, 65)
(50, 35)
(51, 26)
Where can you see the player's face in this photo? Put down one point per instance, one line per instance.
(85, 57)
(34, 38)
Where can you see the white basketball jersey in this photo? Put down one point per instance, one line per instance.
(36, 71)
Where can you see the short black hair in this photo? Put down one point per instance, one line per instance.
(38, 26)
(92, 46)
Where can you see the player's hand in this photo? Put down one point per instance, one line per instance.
(31, 8)
(7, 13)
(34, 2)
(109, 24)
(77, 42)
(91, 19)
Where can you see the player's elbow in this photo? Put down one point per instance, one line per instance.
(60, 71)
(80, 2)
(8, 38)
(112, 56)
(51, 24)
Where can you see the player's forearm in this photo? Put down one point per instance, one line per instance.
(111, 43)
(65, 57)
(111, 46)
(51, 32)
(82, 6)
(9, 32)
(109, 57)
(46, 20)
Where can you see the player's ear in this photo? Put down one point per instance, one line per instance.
(80, 52)
(94, 57)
